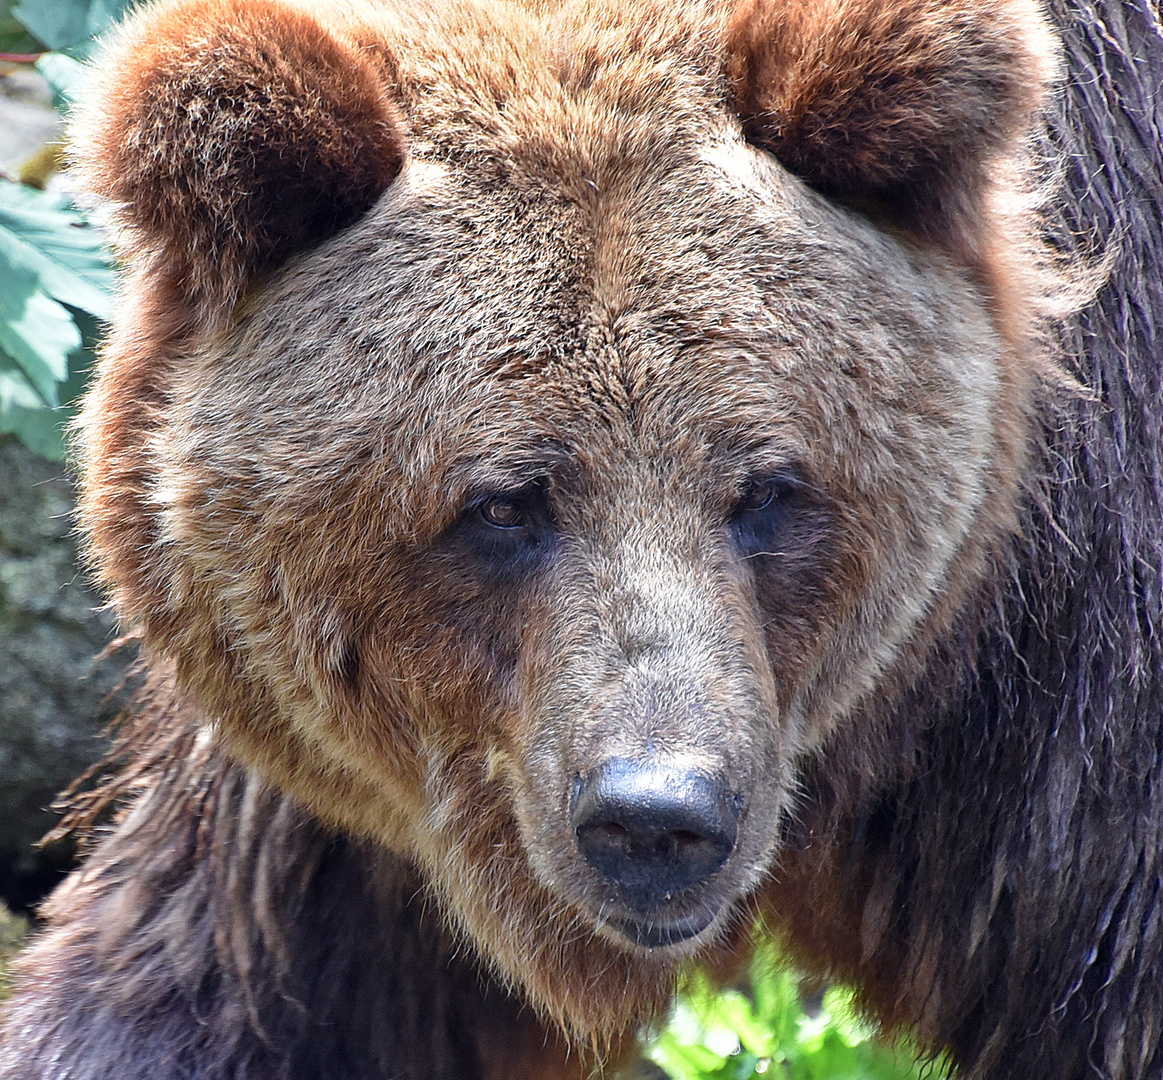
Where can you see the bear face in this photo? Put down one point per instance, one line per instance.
(539, 523)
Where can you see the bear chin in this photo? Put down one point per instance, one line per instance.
(657, 934)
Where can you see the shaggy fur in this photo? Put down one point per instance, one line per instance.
(241, 133)
(899, 104)
(300, 954)
(1004, 890)
(568, 281)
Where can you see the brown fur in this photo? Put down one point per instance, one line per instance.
(301, 953)
(625, 261)
(906, 103)
(242, 132)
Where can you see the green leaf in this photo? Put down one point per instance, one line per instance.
(731, 1011)
(104, 13)
(22, 415)
(683, 1061)
(767, 1032)
(66, 77)
(81, 361)
(13, 36)
(35, 331)
(58, 23)
(840, 1004)
(42, 233)
(64, 24)
(56, 281)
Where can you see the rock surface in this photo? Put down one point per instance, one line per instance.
(55, 698)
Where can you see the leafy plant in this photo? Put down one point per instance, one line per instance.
(56, 282)
(13, 930)
(728, 1035)
(56, 276)
(14, 38)
(34, 26)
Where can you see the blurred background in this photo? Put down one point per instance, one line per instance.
(58, 684)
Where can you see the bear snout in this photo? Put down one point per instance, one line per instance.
(654, 831)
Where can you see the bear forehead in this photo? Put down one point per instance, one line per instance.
(584, 258)
(566, 92)
(718, 316)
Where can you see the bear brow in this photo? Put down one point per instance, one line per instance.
(510, 470)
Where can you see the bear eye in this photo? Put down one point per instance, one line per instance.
(508, 532)
(757, 495)
(764, 509)
(502, 512)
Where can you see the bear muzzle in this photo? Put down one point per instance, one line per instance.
(654, 832)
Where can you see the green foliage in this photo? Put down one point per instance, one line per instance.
(65, 77)
(37, 25)
(14, 38)
(56, 277)
(13, 930)
(768, 1033)
(56, 282)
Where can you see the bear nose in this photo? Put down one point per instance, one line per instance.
(653, 829)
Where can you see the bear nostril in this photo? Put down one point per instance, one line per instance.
(653, 829)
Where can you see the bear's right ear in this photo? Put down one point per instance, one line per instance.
(232, 133)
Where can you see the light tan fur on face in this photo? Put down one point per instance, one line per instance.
(576, 270)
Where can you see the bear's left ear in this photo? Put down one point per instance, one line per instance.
(898, 104)
(232, 133)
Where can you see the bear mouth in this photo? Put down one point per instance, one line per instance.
(658, 934)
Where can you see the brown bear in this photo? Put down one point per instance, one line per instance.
(595, 482)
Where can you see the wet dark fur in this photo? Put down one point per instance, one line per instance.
(266, 946)
(1005, 893)
(987, 868)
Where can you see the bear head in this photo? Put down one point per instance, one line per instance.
(533, 430)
